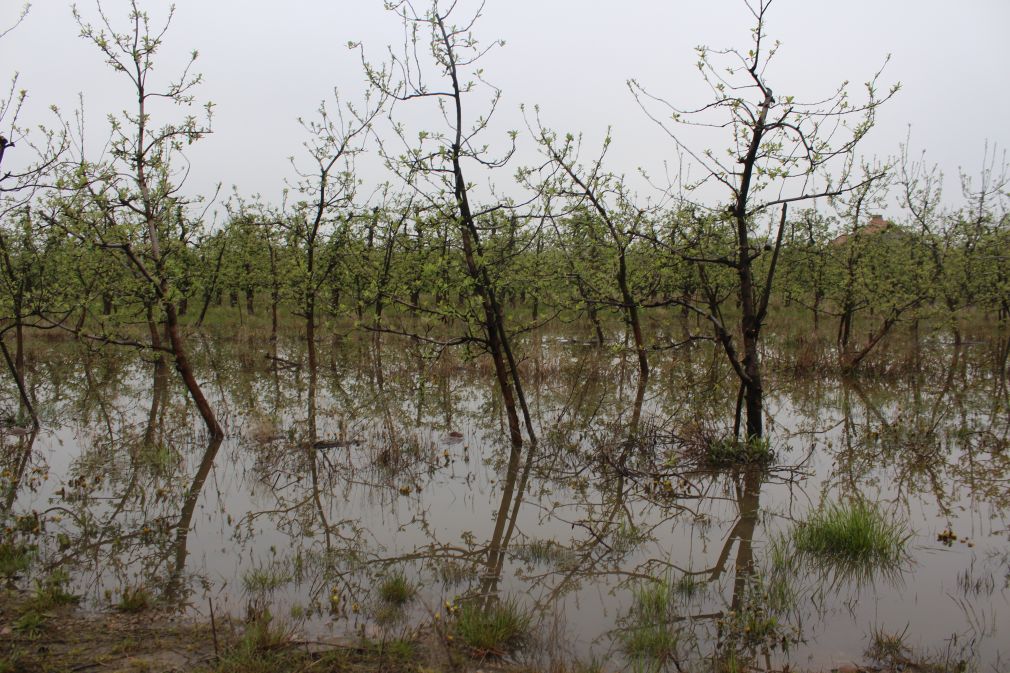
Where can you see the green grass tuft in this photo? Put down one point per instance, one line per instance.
(30, 623)
(650, 642)
(546, 553)
(134, 600)
(650, 635)
(395, 589)
(263, 634)
(267, 578)
(856, 535)
(652, 601)
(52, 591)
(15, 559)
(498, 629)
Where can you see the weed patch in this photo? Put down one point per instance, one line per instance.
(857, 535)
(495, 630)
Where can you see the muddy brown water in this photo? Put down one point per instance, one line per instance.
(386, 460)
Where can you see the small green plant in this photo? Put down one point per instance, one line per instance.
(688, 585)
(266, 578)
(263, 634)
(396, 590)
(650, 635)
(395, 652)
(52, 591)
(134, 600)
(652, 643)
(855, 537)
(730, 452)
(399, 649)
(545, 552)
(11, 662)
(496, 629)
(30, 623)
(15, 559)
(652, 600)
(891, 650)
(732, 661)
(888, 647)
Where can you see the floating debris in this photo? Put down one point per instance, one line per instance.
(947, 537)
(335, 443)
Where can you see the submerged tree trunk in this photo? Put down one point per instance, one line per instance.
(26, 400)
(185, 370)
(19, 345)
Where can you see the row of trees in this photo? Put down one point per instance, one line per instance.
(109, 247)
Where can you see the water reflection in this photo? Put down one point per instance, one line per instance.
(351, 460)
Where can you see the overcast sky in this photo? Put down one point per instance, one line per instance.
(264, 66)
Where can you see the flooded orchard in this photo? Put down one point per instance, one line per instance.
(377, 496)
(456, 383)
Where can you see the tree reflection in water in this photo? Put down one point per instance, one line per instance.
(389, 459)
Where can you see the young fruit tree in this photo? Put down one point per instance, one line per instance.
(127, 204)
(779, 150)
(30, 287)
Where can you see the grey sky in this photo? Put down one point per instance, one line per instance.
(264, 66)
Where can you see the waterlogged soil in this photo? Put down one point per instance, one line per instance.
(387, 462)
(68, 639)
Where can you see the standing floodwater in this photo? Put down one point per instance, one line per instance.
(378, 494)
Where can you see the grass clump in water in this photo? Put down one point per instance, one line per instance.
(688, 586)
(396, 590)
(650, 635)
(730, 452)
(650, 642)
(856, 535)
(545, 552)
(134, 600)
(495, 630)
(892, 652)
(267, 578)
(652, 601)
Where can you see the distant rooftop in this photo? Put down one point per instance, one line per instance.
(876, 225)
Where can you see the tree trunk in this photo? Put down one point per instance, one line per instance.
(182, 364)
